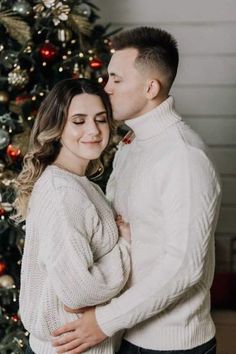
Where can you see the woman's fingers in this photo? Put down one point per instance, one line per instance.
(68, 347)
(65, 340)
(80, 349)
(69, 327)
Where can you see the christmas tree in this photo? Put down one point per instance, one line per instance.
(42, 42)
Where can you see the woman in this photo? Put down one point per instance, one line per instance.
(73, 257)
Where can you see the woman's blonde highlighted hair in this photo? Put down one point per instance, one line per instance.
(44, 144)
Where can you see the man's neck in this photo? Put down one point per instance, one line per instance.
(153, 122)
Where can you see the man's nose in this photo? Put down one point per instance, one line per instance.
(107, 88)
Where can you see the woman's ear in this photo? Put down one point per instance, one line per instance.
(153, 89)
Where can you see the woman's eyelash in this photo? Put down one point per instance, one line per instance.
(98, 121)
(79, 122)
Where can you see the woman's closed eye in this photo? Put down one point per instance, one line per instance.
(101, 120)
(97, 120)
(78, 122)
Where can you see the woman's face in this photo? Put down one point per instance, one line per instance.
(86, 132)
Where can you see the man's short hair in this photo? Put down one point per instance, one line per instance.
(156, 49)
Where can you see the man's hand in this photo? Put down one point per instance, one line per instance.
(124, 228)
(79, 335)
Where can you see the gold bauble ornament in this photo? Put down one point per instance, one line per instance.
(18, 78)
(4, 97)
(6, 281)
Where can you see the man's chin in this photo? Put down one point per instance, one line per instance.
(118, 117)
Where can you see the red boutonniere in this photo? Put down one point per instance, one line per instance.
(128, 138)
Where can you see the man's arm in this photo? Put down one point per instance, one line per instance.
(190, 197)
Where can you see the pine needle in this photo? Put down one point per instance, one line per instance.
(80, 24)
(17, 28)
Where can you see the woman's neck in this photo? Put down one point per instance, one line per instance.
(73, 165)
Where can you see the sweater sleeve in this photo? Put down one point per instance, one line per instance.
(77, 279)
(190, 196)
(111, 184)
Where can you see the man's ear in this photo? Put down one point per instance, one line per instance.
(153, 89)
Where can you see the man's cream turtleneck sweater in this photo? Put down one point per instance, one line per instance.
(166, 187)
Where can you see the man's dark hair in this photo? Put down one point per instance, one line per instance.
(156, 48)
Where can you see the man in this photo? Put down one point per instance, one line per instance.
(165, 186)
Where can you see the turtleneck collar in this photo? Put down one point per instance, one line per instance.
(154, 122)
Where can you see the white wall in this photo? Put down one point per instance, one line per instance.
(205, 88)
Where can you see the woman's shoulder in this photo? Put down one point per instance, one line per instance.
(60, 191)
(61, 184)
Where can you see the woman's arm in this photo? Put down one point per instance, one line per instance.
(77, 279)
(124, 232)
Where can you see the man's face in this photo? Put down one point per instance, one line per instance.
(126, 85)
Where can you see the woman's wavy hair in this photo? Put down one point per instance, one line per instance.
(44, 144)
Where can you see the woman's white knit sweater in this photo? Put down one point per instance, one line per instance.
(166, 186)
(72, 255)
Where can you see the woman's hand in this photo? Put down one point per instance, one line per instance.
(124, 228)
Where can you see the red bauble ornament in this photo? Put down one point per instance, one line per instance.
(2, 211)
(96, 63)
(48, 51)
(22, 99)
(13, 152)
(3, 267)
(15, 318)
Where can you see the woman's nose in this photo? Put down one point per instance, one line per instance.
(93, 129)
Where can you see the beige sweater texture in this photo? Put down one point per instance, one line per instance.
(165, 185)
(72, 255)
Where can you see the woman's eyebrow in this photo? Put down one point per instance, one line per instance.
(100, 113)
(83, 115)
(79, 115)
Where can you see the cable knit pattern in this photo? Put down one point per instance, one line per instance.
(165, 184)
(72, 255)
